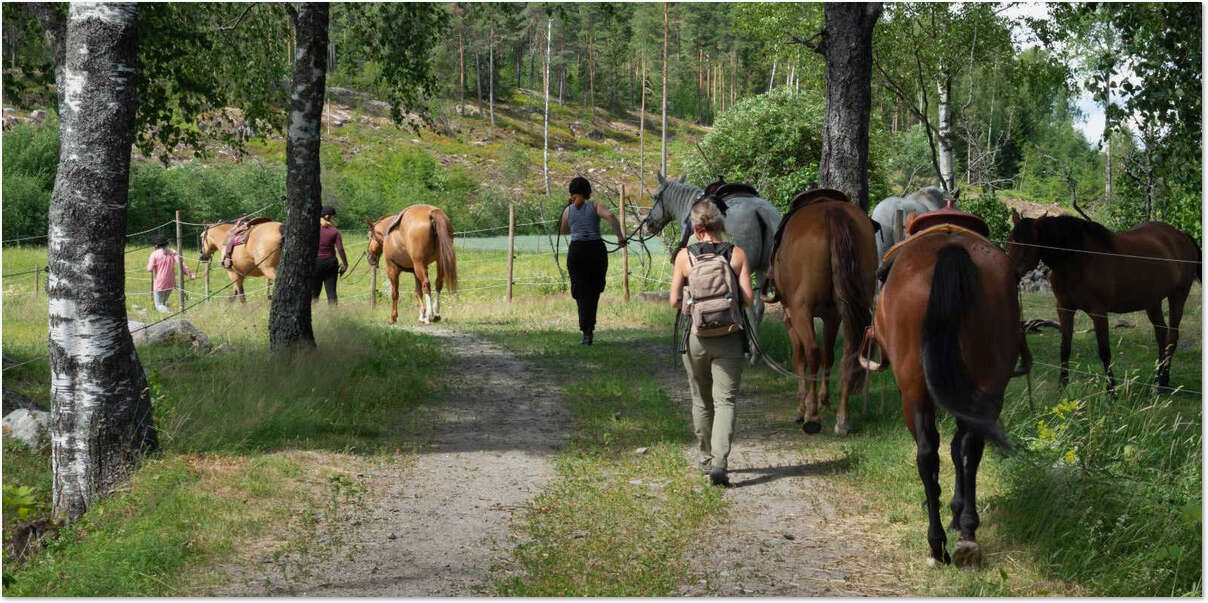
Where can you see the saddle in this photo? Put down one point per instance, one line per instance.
(721, 190)
(948, 215)
(238, 236)
(813, 196)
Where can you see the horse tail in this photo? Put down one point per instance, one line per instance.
(954, 291)
(446, 260)
(854, 301)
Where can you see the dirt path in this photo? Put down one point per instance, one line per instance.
(436, 526)
(787, 532)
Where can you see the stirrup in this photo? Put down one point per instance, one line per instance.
(867, 346)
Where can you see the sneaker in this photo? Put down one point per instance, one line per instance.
(586, 338)
(717, 477)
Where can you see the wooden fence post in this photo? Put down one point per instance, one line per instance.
(180, 263)
(207, 281)
(511, 246)
(373, 285)
(37, 279)
(625, 249)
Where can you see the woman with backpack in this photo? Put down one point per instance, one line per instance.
(586, 258)
(712, 284)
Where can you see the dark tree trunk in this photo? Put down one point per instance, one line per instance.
(100, 408)
(289, 317)
(847, 46)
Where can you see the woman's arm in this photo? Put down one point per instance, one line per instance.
(340, 248)
(677, 278)
(616, 224)
(564, 228)
(738, 261)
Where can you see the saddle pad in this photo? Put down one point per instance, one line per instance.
(813, 196)
(934, 230)
(255, 221)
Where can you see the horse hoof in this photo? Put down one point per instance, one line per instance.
(436, 319)
(932, 563)
(811, 426)
(391, 321)
(841, 429)
(799, 419)
(967, 554)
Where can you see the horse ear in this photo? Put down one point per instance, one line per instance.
(681, 178)
(369, 223)
(1015, 217)
(662, 179)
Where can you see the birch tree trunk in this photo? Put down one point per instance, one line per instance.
(478, 84)
(944, 108)
(289, 325)
(491, 71)
(100, 409)
(549, 32)
(847, 46)
(666, 39)
(772, 80)
(642, 124)
(461, 70)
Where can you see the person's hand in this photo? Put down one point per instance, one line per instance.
(622, 241)
(343, 268)
(192, 277)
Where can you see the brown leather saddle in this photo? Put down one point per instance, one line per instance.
(817, 195)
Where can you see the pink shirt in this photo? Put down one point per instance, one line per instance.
(162, 266)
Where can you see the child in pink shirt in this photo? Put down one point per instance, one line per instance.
(162, 266)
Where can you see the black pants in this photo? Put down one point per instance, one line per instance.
(587, 263)
(327, 271)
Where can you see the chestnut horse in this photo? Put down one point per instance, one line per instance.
(824, 265)
(1098, 271)
(948, 322)
(410, 240)
(258, 255)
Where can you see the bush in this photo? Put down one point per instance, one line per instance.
(992, 211)
(773, 141)
(31, 159)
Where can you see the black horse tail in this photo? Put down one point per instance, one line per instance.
(954, 291)
(854, 300)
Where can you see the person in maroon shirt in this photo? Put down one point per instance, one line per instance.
(327, 269)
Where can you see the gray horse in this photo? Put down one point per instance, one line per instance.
(750, 221)
(921, 201)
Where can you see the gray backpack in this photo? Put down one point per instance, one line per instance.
(712, 299)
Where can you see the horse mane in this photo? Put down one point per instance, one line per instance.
(681, 195)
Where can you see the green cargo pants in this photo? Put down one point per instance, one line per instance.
(714, 366)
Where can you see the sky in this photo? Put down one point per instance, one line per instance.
(1092, 121)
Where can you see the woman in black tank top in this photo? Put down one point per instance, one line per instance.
(586, 258)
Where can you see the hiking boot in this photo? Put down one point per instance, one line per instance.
(717, 477)
(586, 338)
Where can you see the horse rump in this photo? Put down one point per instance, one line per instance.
(954, 290)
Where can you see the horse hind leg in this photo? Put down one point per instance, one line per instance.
(1105, 350)
(966, 553)
(927, 460)
(830, 332)
(1160, 333)
(1177, 302)
(811, 423)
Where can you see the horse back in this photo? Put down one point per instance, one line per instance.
(803, 264)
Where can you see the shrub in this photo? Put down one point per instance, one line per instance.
(992, 211)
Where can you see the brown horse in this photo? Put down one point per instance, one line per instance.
(410, 240)
(948, 321)
(257, 256)
(1098, 271)
(824, 265)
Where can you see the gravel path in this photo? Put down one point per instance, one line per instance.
(436, 526)
(786, 532)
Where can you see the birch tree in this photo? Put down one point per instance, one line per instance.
(549, 32)
(666, 67)
(289, 316)
(100, 407)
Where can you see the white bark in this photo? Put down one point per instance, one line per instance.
(491, 71)
(100, 410)
(772, 80)
(549, 32)
(945, 134)
(642, 125)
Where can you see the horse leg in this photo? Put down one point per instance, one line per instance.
(958, 461)
(1160, 332)
(830, 332)
(1172, 334)
(1065, 318)
(927, 459)
(392, 273)
(1105, 352)
(440, 284)
(798, 367)
(966, 553)
(809, 345)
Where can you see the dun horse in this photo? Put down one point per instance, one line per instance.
(257, 256)
(1098, 271)
(948, 322)
(824, 264)
(409, 241)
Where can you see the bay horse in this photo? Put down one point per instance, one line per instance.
(824, 265)
(947, 320)
(1098, 271)
(409, 241)
(750, 223)
(258, 255)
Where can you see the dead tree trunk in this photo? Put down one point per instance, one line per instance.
(100, 409)
(289, 325)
